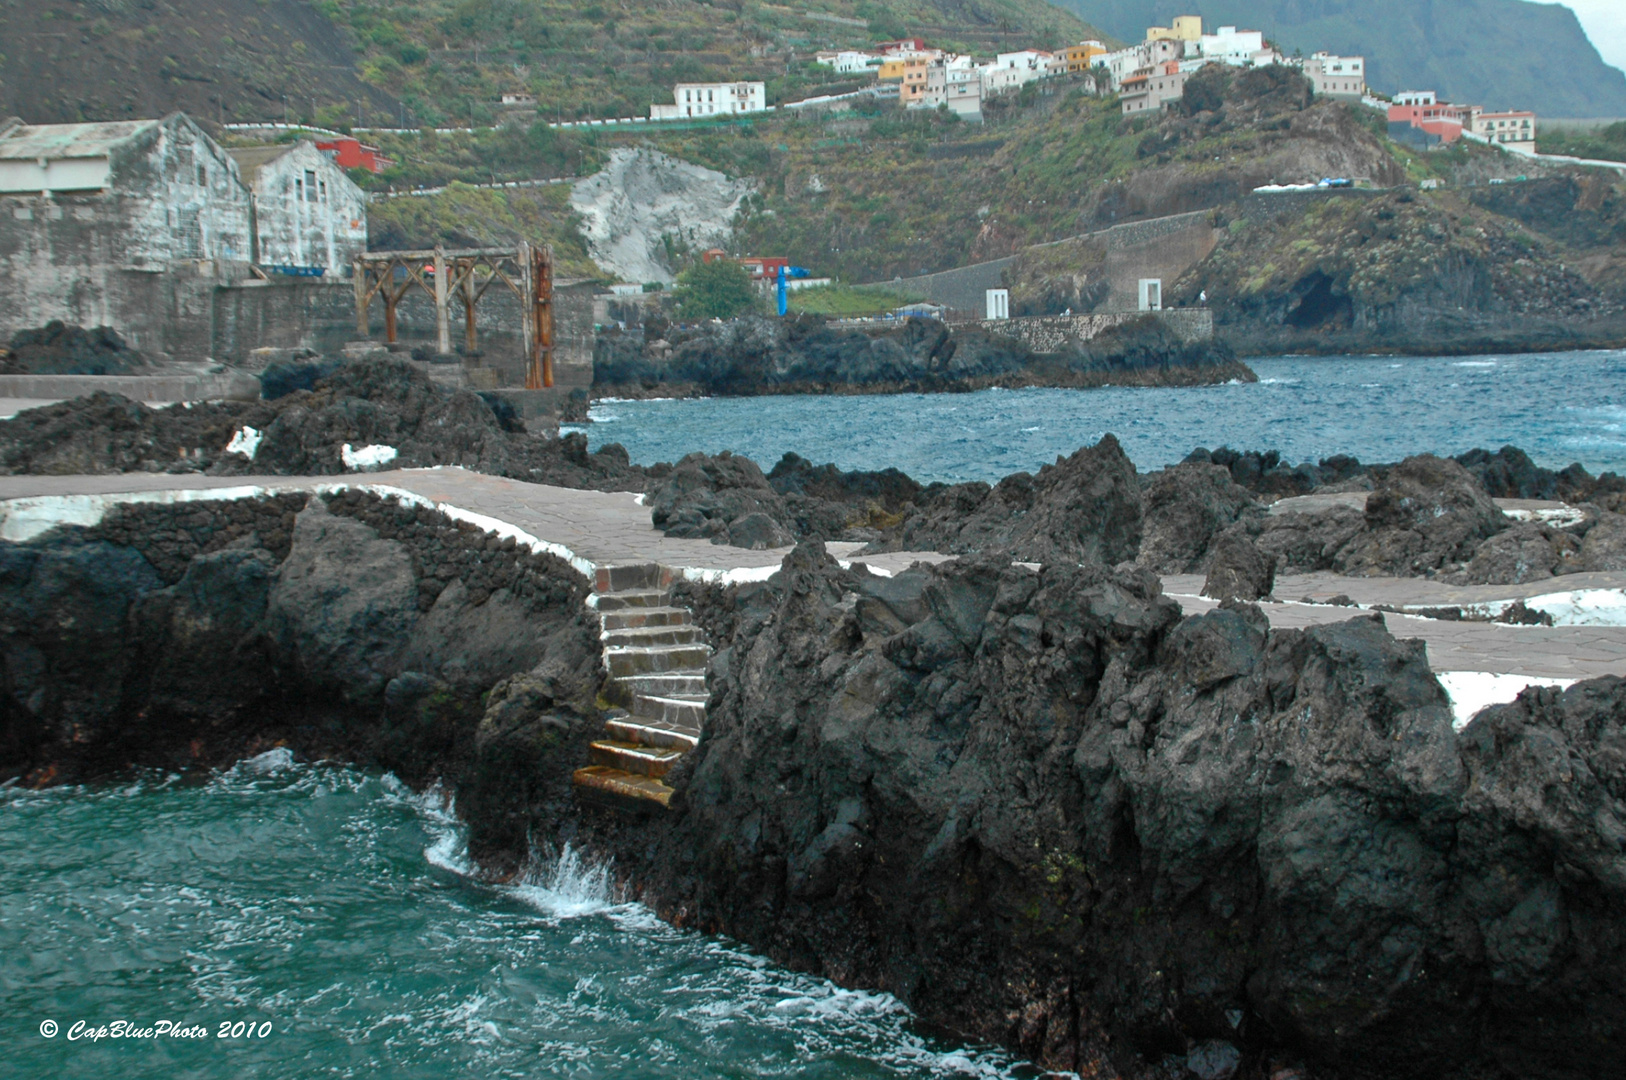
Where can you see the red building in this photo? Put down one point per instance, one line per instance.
(760, 267)
(1436, 118)
(348, 153)
(912, 44)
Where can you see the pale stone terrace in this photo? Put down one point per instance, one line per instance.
(609, 529)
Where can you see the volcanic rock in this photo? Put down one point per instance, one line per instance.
(1525, 552)
(1427, 513)
(59, 349)
(1185, 507)
(1044, 808)
(1084, 508)
(1237, 569)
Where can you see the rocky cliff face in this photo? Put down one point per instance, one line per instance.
(1045, 809)
(1398, 270)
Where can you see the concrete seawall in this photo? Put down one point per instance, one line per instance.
(1057, 333)
(231, 385)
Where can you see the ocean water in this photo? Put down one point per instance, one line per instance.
(1557, 407)
(316, 921)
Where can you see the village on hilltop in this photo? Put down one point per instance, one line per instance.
(1146, 77)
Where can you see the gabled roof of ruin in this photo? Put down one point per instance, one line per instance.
(251, 159)
(29, 142)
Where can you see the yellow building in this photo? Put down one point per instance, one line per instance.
(1185, 28)
(891, 68)
(1081, 57)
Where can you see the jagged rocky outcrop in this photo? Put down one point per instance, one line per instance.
(1084, 508)
(379, 402)
(1044, 809)
(1185, 508)
(755, 355)
(192, 633)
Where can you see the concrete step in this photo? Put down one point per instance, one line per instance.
(634, 636)
(620, 601)
(626, 618)
(650, 733)
(631, 576)
(656, 659)
(688, 710)
(667, 684)
(620, 789)
(635, 757)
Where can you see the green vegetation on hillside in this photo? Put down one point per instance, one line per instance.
(843, 301)
(463, 216)
(1606, 144)
(720, 289)
(449, 61)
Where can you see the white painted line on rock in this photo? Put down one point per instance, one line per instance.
(1471, 691)
(24, 519)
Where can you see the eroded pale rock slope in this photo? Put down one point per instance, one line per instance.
(641, 197)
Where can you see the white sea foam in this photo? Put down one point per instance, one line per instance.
(368, 457)
(1471, 691)
(566, 886)
(1474, 363)
(272, 761)
(246, 442)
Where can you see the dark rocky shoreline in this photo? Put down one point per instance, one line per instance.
(1040, 805)
(806, 355)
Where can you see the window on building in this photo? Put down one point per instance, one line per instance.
(203, 176)
(299, 191)
(310, 185)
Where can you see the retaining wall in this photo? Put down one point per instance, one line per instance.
(1057, 333)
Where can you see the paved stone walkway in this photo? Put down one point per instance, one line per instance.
(607, 529)
(603, 528)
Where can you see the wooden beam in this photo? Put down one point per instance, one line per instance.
(443, 326)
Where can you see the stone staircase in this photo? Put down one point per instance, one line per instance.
(656, 658)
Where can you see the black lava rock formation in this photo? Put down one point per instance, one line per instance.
(374, 401)
(196, 633)
(756, 355)
(59, 349)
(1044, 809)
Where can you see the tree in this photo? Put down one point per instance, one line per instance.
(720, 289)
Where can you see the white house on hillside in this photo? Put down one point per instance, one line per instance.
(712, 99)
(1337, 76)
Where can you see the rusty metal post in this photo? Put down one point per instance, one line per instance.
(544, 312)
(360, 280)
(471, 338)
(389, 311)
(443, 324)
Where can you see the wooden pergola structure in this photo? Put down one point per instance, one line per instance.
(466, 275)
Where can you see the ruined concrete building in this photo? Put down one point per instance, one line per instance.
(308, 215)
(147, 226)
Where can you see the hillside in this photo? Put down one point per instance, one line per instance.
(1481, 51)
(607, 58)
(63, 61)
(388, 62)
(867, 198)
